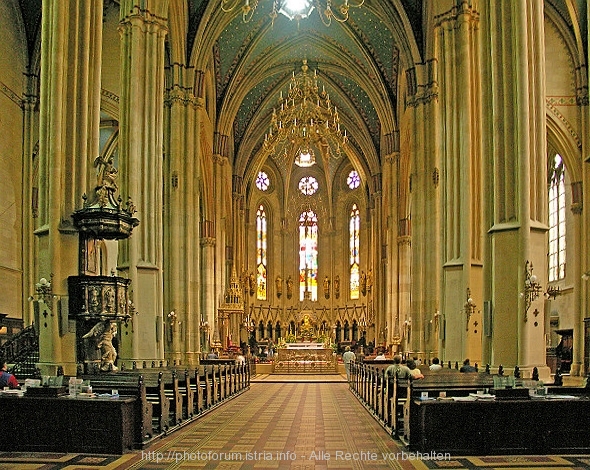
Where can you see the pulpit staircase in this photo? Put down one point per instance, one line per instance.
(22, 353)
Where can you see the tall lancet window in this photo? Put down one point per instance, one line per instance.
(556, 219)
(261, 253)
(354, 236)
(308, 256)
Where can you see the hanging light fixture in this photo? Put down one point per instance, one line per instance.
(305, 119)
(296, 9)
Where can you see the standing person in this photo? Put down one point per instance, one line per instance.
(347, 358)
(7, 379)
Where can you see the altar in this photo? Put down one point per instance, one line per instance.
(305, 358)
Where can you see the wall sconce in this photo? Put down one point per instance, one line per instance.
(552, 292)
(172, 317)
(44, 294)
(532, 288)
(204, 325)
(469, 308)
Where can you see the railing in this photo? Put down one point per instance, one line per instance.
(22, 350)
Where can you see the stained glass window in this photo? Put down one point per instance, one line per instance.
(354, 180)
(556, 219)
(308, 185)
(262, 181)
(354, 236)
(308, 256)
(261, 253)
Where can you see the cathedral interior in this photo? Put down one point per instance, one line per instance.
(201, 174)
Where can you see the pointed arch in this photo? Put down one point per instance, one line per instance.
(261, 252)
(308, 255)
(354, 229)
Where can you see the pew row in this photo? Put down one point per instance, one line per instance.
(169, 399)
(462, 413)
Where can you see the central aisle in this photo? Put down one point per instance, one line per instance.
(279, 425)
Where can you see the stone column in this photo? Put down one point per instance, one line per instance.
(181, 224)
(388, 313)
(29, 207)
(68, 144)
(425, 193)
(374, 293)
(457, 52)
(515, 162)
(208, 282)
(143, 29)
(578, 346)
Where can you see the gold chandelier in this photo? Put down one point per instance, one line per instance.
(305, 119)
(296, 9)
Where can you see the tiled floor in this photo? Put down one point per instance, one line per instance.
(284, 425)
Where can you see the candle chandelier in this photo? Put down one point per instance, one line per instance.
(305, 119)
(296, 9)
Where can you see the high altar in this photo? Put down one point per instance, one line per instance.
(307, 356)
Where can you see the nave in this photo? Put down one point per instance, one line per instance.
(308, 424)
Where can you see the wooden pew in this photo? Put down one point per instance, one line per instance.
(128, 386)
(187, 391)
(156, 393)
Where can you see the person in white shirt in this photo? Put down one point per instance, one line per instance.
(435, 364)
(347, 358)
(380, 356)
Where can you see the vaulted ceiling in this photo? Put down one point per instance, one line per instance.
(361, 63)
(358, 62)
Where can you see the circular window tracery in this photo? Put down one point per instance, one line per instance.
(308, 185)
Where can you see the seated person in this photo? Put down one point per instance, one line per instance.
(397, 368)
(435, 364)
(466, 367)
(6, 378)
(212, 355)
(416, 374)
(380, 356)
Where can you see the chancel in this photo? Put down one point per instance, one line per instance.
(198, 194)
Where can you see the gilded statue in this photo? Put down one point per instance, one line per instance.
(326, 287)
(337, 286)
(363, 283)
(252, 282)
(289, 287)
(279, 285)
(103, 333)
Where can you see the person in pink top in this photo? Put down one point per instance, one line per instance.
(7, 379)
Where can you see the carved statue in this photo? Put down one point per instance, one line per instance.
(279, 285)
(363, 283)
(369, 280)
(337, 286)
(107, 173)
(109, 299)
(326, 287)
(104, 332)
(289, 287)
(252, 282)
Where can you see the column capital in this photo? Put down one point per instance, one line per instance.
(207, 241)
